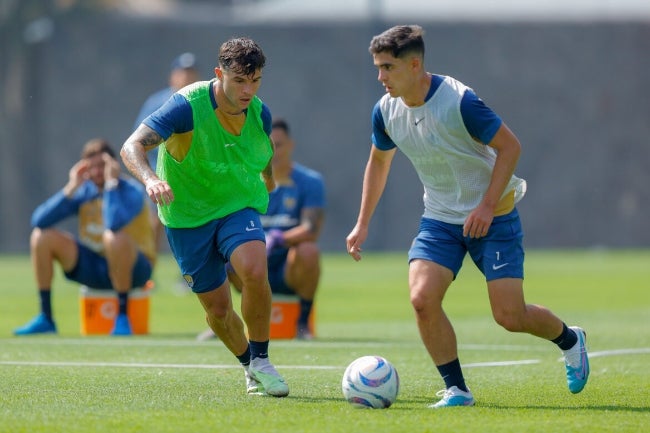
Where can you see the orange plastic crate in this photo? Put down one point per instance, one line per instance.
(285, 310)
(98, 309)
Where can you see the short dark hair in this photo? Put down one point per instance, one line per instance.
(242, 56)
(280, 123)
(399, 41)
(96, 146)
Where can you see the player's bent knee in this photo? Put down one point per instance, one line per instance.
(510, 322)
(308, 249)
(50, 240)
(424, 307)
(110, 237)
(39, 236)
(219, 312)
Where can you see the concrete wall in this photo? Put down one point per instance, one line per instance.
(576, 94)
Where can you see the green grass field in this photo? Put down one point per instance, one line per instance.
(169, 382)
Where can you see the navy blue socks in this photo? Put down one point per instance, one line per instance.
(567, 338)
(452, 375)
(245, 358)
(259, 349)
(46, 302)
(305, 310)
(122, 300)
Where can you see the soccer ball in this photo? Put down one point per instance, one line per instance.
(370, 382)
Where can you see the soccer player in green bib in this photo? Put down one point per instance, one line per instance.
(211, 185)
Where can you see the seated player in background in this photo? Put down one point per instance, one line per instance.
(292, 225)
(114, 249)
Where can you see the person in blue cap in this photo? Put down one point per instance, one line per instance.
(183, 72)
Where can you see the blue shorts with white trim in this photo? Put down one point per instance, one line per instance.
(202, 252)
(499, 254)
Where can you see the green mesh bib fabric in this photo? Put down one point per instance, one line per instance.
(221, 171)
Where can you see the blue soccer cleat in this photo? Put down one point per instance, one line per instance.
(453, 396)
(38, 325)
(577, 362)
(122, 325)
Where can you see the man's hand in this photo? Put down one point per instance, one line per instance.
(159, 191)
(77, 175)
(478, 222)
(354, 241)
(274, 239)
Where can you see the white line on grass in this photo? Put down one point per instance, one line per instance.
(224, 366)
(501, 363)
(288, 343)
(635, 351)
(148, 365)
(137, 341)
(299, 367)
(103, 341)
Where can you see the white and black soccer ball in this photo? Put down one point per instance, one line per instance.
(370, 382)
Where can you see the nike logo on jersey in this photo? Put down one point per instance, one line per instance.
(496, 268)
(418, 121)
(229, 144)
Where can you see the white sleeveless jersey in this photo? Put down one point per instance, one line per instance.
(454, 169)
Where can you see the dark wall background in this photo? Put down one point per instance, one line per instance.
(575, 93)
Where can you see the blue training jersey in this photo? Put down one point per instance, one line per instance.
(306, 189)
(121, 208)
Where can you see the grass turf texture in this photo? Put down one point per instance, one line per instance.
(169, 382)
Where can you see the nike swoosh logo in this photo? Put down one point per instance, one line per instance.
(250, 229)
(229, 144)
(496, 268)
(418, 121)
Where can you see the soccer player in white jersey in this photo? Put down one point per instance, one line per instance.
(465, 157)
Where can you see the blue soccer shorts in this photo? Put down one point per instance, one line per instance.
(202, 252)
(92, 270)
(500, 254)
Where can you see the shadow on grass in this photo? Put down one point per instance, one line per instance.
(603, 408)
(409, 404)
(417, 404)
(398, 403)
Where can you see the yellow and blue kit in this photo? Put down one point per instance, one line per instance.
(119, 209)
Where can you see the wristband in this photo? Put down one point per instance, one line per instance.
(111, 184)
